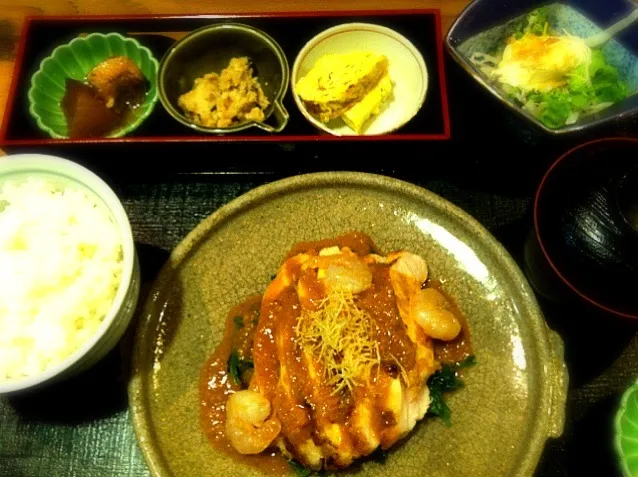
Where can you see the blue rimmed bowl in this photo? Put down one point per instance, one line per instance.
(74, 60)
(485, 24)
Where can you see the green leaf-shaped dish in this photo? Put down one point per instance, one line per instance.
(74, 60)
(626, 432)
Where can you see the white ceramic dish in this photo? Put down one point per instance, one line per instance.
(407, 70)
(68, 173)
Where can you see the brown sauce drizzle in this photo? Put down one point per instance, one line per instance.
(216, 385)
(305, 407)
(358, 242)
(391, 333)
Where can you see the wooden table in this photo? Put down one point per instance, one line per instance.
(13, 13)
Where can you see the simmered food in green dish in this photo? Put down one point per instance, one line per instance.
(98, 85)
(115, 91)
(552, 74)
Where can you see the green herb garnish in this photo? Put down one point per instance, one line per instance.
(233, 367)
(239, 322)
(300, 470)
(379, 455)
(443, 381)
(536, 22)
(467, 362)
(238, 366)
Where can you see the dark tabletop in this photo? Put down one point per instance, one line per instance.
(490, 168)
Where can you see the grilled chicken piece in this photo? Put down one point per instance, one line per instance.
(342, 353)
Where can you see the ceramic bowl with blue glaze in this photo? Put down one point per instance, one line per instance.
(485, 25)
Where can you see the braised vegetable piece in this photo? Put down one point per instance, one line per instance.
(119, 82)
(86, 114)
(116, 88)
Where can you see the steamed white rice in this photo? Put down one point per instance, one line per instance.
(60, 268)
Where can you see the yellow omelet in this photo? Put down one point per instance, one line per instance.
(338, 81)
(358, 115)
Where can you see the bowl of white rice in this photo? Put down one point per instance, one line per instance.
(69, 276)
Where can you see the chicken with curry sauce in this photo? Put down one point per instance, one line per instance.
(340, 346)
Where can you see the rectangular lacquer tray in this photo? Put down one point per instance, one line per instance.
(159, 32)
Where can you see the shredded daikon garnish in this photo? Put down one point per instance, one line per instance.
(341, 336)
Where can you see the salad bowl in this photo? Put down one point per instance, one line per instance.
(485, 26)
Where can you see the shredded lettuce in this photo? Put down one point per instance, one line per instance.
(537, 22)
(605, 81)
(588, 90)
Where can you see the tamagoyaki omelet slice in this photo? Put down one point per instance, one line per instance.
(371, 105)
(338, 81)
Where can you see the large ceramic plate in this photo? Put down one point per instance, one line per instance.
(514, 399)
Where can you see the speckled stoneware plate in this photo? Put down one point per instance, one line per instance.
(514, 398)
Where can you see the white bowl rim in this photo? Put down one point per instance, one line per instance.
(48, 164)
(345, 27)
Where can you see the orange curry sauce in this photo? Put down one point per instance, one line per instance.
(250, 331)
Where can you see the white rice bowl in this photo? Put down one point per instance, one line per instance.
(69, 277)
(60, 267)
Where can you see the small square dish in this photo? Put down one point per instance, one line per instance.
(485, 38)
